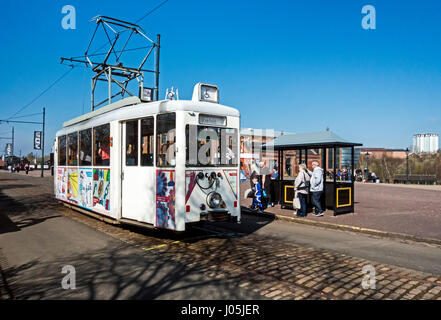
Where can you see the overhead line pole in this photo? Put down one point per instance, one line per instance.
(42, 144)
(158, 39)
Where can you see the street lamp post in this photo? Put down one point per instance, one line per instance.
(407, 165)
(367, 165)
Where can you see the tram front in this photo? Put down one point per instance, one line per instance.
(212, 158)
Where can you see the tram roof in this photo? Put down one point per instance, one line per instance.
(158, 107)
(322, 139)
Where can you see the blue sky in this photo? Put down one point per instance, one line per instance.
(297, 66)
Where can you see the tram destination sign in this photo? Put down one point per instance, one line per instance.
(37, 140)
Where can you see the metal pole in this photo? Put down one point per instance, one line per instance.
(335, 178)
(325, 169)
(407, 165)
(158, 46)
(42, 144)
(12, 151)
(367, 166)
(352, 178)
(110, 85)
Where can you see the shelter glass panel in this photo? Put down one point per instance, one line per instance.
(347, 171)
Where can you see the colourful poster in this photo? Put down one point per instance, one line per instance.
(85, 182)
(61, 186)
(101, 189)
(72, 185)
(232, 180)
(165, 199)
(190, 182)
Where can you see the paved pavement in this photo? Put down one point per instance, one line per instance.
(412, 210)
(259, 259)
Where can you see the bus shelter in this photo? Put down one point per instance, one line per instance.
(336, 157)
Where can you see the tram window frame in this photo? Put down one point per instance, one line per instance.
(103, 140)
(62, 160)
(191, 162)
(132, 161)
(147, 158)
(86, 150)
(165, 129)
(72, 140)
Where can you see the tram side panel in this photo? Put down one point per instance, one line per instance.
(90, 188)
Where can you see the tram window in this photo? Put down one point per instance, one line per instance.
(72, 149)
(165, 140)
(211, 146)
(62, 151)
(86, 147)
(101, 136)
(132, 143)
(147, 138)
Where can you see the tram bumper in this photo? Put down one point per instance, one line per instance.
(212, 216)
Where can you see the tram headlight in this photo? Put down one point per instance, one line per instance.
(214, 200)
(209, 93)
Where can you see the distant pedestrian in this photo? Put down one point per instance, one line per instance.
(27, 168)
(301, 185)
(316, 187)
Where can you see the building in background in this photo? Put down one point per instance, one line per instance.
(251, 142)
(382, 152)
(425, 143)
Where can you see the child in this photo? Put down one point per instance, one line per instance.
(257, 199)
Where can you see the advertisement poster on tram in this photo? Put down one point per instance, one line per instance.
(72, 185)
(101, 189)
(165, 199)
(61, 185)
(190, 182)
(85, 188)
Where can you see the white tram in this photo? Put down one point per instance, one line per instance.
(163, 163)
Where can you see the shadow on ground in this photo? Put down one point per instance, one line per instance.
(123, 273)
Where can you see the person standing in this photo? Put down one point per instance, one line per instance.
(257, 199)
(265, 173)
(316, 187)
(254, 172)
(301, 185)
(274, 176)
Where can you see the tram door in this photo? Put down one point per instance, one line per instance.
(138, 175)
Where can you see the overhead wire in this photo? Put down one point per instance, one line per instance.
(41, 93)
(27, 115)
(72, 67)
